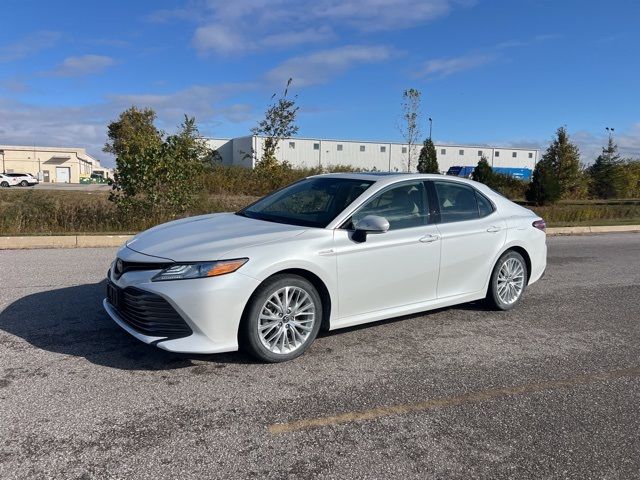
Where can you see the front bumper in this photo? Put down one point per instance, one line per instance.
(211, 307)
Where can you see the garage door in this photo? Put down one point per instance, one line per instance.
(62, 174)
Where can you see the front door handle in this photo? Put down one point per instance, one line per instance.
(493, 229)
(429, 238)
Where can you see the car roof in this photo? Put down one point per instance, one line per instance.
(388, 178)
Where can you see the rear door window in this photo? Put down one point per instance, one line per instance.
(457, 202)
(485, 207)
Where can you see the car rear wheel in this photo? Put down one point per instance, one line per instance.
(508, 281)
(4, 184)
(282, 319)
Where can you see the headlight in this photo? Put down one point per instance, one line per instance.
(183, 271)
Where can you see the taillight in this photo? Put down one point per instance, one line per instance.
(540, 225)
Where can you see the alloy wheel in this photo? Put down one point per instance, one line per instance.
(286, 320)
(510, 281)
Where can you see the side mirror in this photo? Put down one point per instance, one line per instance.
(369, 224)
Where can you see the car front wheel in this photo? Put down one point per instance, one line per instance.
(24, 183)
(282, 319)
(508, 281)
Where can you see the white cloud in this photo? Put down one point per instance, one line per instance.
(320, 67)
(29, 45)
(443, 67)
(245, 26)
(218, 39)
(371, 15)
(200, 101)
(85, 126)
(540, 38)
(293, 38)
(590, 143)
(221, 40)
(238, 112)
(82, 65)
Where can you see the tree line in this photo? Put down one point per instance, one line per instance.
(160, 172)
(560, 174)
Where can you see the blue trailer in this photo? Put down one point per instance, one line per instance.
(519, 173)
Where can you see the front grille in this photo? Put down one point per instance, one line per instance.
(136, 266)
(147, 313)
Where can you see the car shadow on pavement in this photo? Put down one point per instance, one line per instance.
(71, 321)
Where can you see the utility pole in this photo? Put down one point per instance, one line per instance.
(3, 169)
(430, 127)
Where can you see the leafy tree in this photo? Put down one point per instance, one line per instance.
(631, 174)
(279, 122)
(428, 159)
(564, 158)
(544, 187)
(130, 138)
(607, 176)
(410, 127)
(163, 178)
(133, 132)
(483, 172)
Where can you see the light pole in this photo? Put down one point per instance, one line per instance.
(3, 169)
(610, 130)
(430, 127)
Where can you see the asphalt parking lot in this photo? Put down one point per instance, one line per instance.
(549, 390)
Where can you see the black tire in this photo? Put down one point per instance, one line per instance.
(24, 183)
(494, 299)
(249, 337)
(4, 184)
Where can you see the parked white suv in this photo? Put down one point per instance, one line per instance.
(7, 181)
(24, 179)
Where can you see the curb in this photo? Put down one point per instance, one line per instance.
(63, 241)
(593, 229)
(100, 241)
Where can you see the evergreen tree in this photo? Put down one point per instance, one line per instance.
(428, 159)
(544, 187)
(564, 159)
(607, 178)
(483, 172)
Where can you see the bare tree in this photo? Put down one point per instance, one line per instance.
(278, 123)
(410, 126)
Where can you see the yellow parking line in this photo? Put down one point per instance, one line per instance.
(481, 396)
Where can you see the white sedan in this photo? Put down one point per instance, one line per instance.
(329, 251)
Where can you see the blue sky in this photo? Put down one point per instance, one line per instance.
(505, 72)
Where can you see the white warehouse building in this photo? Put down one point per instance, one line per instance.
(380, 156)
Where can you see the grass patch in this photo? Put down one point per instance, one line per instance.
(55, 212)
(574, 214)
(51, 212)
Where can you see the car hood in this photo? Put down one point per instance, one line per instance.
(208, 237)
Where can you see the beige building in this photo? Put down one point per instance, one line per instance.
(51, 164)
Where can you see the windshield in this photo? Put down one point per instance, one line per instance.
(313, 202)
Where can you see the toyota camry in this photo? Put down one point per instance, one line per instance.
(330, 251)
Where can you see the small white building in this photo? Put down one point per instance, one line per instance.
(380, 156)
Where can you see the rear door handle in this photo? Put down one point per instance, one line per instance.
(493, 229)
(429, 238)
